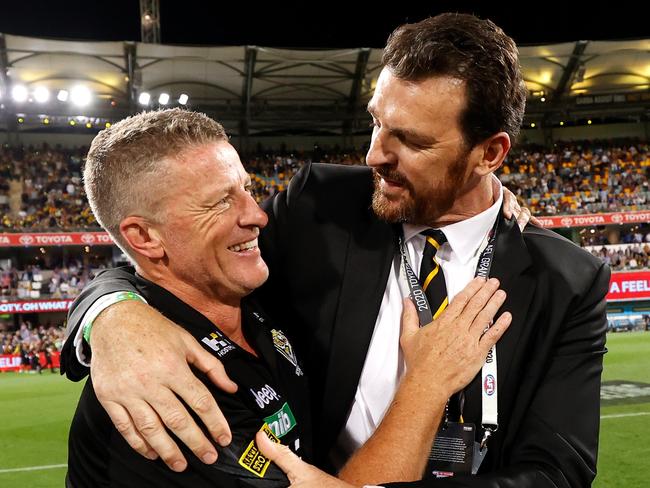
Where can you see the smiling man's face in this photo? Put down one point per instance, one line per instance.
(213, 222)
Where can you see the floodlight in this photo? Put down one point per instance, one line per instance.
(19, 93)
(41, 94)
(80, 95)
(144, 98)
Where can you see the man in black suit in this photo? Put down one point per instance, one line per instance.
(447, 104)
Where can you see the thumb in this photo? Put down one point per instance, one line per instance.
(207, 363)
(410, 320)
(281, 455)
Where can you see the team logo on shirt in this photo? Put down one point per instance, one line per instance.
(252, 459)
(218, 343)
(283, 346)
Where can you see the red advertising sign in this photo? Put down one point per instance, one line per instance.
(588, 220)
(35, 306)
(56, 239)
(103, 239)
(632, 285)
(12, 362)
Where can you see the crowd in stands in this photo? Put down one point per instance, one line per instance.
(52, 195)
(624, 258)
(65, 281)
(567, 179)
(580, 178)
(4, 194)
(33, 343)
(630, 249)
(271, 173)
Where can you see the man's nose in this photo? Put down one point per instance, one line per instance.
(253, 215)
(380, 151)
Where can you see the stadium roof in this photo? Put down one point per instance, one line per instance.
(258, 90)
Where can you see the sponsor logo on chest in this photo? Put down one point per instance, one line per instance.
(282, 421)
(264, 395)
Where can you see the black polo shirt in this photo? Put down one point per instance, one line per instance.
(272, 396)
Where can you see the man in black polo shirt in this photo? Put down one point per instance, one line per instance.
(202, 203)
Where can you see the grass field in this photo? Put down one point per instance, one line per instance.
(624, 458)
(35, 412)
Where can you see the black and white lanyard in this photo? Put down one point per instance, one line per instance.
(489, 420)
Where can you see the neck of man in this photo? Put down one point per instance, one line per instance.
(472, 201)
(224, 312)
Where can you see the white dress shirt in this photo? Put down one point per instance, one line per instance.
(384, 365)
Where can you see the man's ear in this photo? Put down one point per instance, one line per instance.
(142, 237)
(495, 149)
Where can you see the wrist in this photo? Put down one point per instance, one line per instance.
(100, 306)
(420, 384)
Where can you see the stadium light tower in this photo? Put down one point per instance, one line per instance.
(150, 21)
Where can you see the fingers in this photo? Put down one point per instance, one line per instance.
(523, 218)
(152, 430)
(496, 331)
(281, 455)
(142, 386)
(410, 320)
(486, 315)
(124, 425)
(198, 397)
(535, 221)
(478, 301)
(210, 365)
(200, 400)
(410, 325)
(178, 420)
(461, 300)
(512, 208)
(510, 205)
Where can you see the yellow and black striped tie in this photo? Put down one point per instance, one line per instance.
(433, 284)
(431, 276)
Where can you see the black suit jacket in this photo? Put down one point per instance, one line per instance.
(330, 257)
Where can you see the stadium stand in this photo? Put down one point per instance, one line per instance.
(624, 257)
(580, 177)
(37, 346)
(34, 282)
(568, 179)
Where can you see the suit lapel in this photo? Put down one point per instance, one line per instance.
(511, 262)
(369, 257)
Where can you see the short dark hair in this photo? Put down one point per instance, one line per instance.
(473, 50)
(126, 163)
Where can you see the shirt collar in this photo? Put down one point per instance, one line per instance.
(465, 237)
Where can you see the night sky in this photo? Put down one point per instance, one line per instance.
(316, 23)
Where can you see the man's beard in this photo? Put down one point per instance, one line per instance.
(425, 207)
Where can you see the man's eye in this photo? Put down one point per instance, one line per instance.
(415, 145)
(224, 201)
